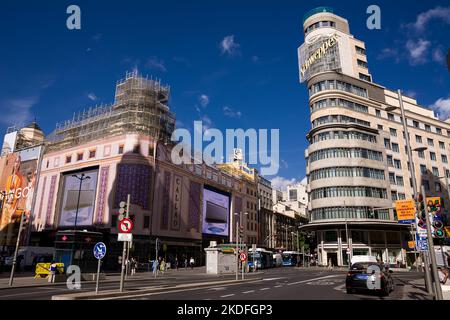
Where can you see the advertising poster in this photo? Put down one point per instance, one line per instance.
(71, 193)
(216, 213)
(17, 183)
(406, 210)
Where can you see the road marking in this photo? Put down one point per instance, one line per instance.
(227, 295)
(217, 289)
(250, 291)
(278, 286)
(309, 280)
(340, 288)
(264, 289)
(270, 279)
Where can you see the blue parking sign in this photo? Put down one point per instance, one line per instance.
(99, 250)
(421, 243)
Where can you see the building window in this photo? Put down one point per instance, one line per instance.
(68, 159)
(397, 164)
(433, 156)
(437, 187)
(438, 130)
(362, 64)
(426, 184)
(387, 144)
(394, 195)
(121, 146)
(136, 149)
(436, 171)
(427, 128)
(391, 117)
(418, 139)
(380, 127)
(378, 113)
(392, 178)
(79, 156)
(430, 142)
(92, 153)
(415, 124)
(389, 161)
(146, 222)
(360, 50)
(399, 181)
(442, 145)
(423, 169)
(395, 147)
(421, 154)
(393, 132)
(444, 158)
(365, 77)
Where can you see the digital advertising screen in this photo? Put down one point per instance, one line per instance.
(216, 213)
(73, 197)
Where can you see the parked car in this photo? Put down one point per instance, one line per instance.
(28, 257)
(368, 275)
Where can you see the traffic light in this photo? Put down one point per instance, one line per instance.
(421, 218)
(436, 217)
(122, 210)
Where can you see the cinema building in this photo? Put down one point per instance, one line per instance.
(124, 148)
(357, 160)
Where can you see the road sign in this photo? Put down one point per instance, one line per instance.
(99, 250)
(125, 225)
(406, 210)
(421, 243)
(125, 237)
(243, 256)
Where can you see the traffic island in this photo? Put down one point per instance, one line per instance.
(114, 294)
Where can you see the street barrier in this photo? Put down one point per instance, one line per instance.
(43, 270)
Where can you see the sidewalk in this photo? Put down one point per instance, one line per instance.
(171, 274)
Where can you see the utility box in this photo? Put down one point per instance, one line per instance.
(220, 260)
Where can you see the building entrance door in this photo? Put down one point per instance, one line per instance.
(333, 257)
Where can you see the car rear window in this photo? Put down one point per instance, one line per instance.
(362, 266)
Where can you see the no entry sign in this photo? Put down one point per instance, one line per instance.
(243, 256)
(125, 226)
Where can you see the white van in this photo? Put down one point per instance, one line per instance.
(29, 256)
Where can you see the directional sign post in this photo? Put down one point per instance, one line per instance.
(99, 254)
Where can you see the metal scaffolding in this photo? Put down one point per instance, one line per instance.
(140, 106)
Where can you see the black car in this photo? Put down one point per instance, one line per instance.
(369, 276)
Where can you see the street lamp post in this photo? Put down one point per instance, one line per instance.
(413, 175)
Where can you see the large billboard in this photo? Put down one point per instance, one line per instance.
(18, 173)
(216, 212)
(74, 198)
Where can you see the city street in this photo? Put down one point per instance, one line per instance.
(272, 284)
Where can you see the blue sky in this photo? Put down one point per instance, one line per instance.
(231, 63)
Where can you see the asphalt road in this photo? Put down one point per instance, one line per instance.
(291, 284)
(273, 284)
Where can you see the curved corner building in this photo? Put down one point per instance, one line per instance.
(357, 165)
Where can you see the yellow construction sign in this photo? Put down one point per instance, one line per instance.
(406, 210)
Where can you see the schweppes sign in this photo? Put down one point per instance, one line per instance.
(318, 54)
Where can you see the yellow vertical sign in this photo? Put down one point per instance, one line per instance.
(406, 210)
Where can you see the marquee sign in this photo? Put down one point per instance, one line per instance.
(318, 54)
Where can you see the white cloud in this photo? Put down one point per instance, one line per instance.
(281, 183)
(255, 59)
(97, 36)
(417, 51)
(229, 112)
(442, 107)
(229, 46)
(156, 64)
(204, 100)
(439, 13)
(411, 94)
(438, 55)
(17, 110)
(92, 96)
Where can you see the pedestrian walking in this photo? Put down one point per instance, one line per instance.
(176, 263)
(185, 263)
(53, 269)
(192, 262)
(155, 266)
(163, 266)
(133, 266)
(330, 264)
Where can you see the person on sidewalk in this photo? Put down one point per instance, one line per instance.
(330, 264)
(185, 263)
(133, 266)
(443, 275)
(155, 266)
(192, 262)
(52, 276)
(163, 266)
